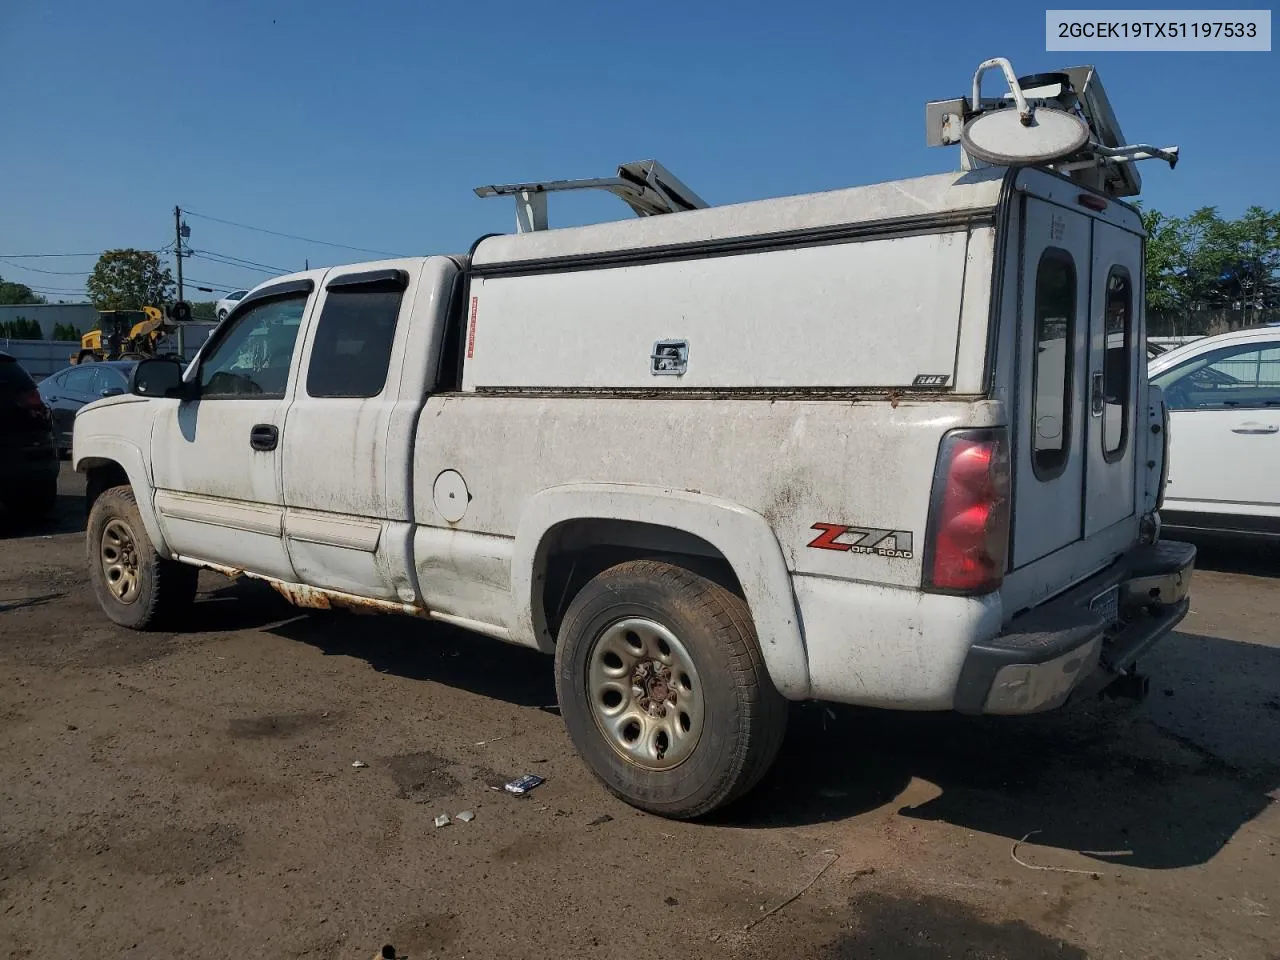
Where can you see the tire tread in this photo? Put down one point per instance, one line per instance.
(173, 585)
(755, 741)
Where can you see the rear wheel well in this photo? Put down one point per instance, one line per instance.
(102, 475)
(574, 552)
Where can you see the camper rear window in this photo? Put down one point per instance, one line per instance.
(1055, 307)
(1116, 362)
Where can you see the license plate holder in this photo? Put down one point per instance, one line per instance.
(1107, 604)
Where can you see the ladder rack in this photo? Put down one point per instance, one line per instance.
(646, 186)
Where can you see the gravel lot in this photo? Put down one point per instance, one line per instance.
(193, 794)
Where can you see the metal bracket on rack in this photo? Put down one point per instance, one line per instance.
(646, 186)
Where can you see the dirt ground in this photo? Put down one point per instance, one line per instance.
(193, 794)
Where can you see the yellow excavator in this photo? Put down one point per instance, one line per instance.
(131, 334)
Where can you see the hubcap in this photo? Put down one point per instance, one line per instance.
(645, 694)
(119, 554)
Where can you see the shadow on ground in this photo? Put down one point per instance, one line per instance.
(1233, 555)
(403, 646)
(934, 928)
(1166, 784)
(1103, 776)
(68, 516)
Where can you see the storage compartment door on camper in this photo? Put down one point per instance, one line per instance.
(1051, 377)
(1115, 313)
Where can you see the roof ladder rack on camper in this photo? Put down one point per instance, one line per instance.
(646, 186)
(1062, 121)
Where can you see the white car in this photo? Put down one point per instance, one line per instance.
(1223, 396)
(227, 304)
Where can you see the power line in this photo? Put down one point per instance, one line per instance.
(32, 256)
(238, 262)
(96, 253)
(60, 273)
(245, 260)
(210, 283)
(289, 236)
(57, 291)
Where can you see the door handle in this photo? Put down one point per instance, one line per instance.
(1097, 402)
(264, 436)
(1252, 427)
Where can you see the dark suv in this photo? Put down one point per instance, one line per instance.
(28, 465)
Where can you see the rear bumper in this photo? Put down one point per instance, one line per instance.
(1079, 641)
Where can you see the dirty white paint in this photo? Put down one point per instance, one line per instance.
(919, 197)
(445, 504)
(859, 314)
(885, 646)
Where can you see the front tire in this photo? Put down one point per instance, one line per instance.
(663, 689)
(135, 586)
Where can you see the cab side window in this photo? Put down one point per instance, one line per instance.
(1243, 376)
(351, 350)
(253, 358)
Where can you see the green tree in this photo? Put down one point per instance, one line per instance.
(21, 328)
(202, 310)
(1206, 272)
(1166, 261)
(129, 280)
(66, 331)
(11, 292)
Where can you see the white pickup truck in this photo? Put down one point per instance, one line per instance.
(891, 445)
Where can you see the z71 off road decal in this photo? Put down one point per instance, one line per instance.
(847, 539)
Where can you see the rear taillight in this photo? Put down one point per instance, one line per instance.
(33, 402)
(968, 537)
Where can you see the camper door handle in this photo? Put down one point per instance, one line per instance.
(264, 436)
(1096, 400)
(1252, 427)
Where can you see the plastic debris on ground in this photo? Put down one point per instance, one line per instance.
(522, 785)
(442, 820)
(466, 816)
(359, 764)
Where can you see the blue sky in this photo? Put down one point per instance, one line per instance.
(370, 123)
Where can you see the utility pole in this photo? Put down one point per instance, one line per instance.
(177, 249)
(178, 230)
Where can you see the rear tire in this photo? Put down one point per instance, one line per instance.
(663, 689)
(135, 586)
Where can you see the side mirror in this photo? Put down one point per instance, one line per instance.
(112, 392)
(158, 378)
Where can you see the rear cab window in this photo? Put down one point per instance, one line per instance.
(351, 349)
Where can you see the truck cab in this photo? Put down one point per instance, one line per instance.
(891, 445)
